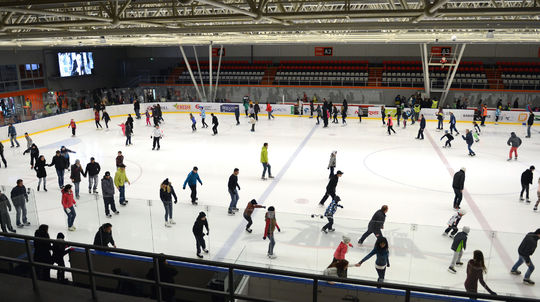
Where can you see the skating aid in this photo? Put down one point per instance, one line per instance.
(317, 215)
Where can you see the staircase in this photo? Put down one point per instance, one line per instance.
(177, 71)
(494, 78)
(269, 75)
(375, 76)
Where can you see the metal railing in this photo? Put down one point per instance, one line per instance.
(229, 293)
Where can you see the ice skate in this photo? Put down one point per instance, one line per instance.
(249, 230)
(452, 270)
(205, 251)
(528, 282)
(324, 231)
(516, 272)
(167, 224)
(272, 256)
(109, 216)
(172, 221)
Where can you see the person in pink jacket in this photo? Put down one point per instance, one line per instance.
(390, 125)
(69, 206)
(339, 260)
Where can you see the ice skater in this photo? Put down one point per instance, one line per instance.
(382, 260)
(92, 170)
(318, 110)
(525, 251)
(390, 125)
(147, 114)
(334, 115)
(383, 115)
(422, 127)
(256, 110)
(237, 115)
(526, 180)
(106, 118)
(19, 197)
(332, 163)
(476, 127)
(329, 214)
(41, 173)
(233, 188)
(344, 115)
(376, 224)
(191, 180)
(68, 203)
(331, 187)
(514, 142)
(12, 133)
(2, 155)
(405, 116)
(271, 225)
(214, 124)
(475, 271)
(359, 112)
(453, 223)
(497, 114)
(200, 223)
(251, 206)
(128, 132)
(29, 141)
(530, 122)
(203, 117)
(270, 111)
(458, 184)
(449, 138)
(5, 208)
(60, 165)
(440, 118)
(107, 187)
(453, 124)
(120, 179)
(265, 163)
(325, 109)
(538, 194)
(339, 262)
(73, 127)
(97, 119)
(468, 137)
(252, 121)
(76, 172)
(157, 134)
(119, 159)
(65, 154)
(459, 244)
(166, 194)
(193, 123)
(34, 154)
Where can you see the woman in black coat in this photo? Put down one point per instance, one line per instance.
(41, 172)
(42, 252)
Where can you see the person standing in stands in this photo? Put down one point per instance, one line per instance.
(104, 236)
(525, 251)
(19, 197)
(270, 110)
(458, 183)
(200, 223)
(331, 188)
(166, 274)
(390, 125)
(422, 127)
(2, 154)
(12, 133)
(332, 163)
(514, 142)
(526, 180)
(5, 208)
(251, 206)
(237, 115)
(468, 137)
(203, 117)
(106, 118)
(92, 170)
(191, 180)
(453, 124)
(530, 122)
(166, 194)
(73, 127)
(271, 225)
(76, 172)
(68, 203)
(382, 260)
(376, 224)
(459, 244)
(120, 180)
(214, 124)
(265, 163)
(107, 187)
(42, 252)
(475, 271)
(233, 188)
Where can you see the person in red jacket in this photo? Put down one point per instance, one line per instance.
(390, 125)
(271, 225)
(69, 206)
(269, 110)
(97, 118)
(73, 126)
(484, 115)
(339, 260)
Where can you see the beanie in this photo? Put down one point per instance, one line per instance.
(107, 173)
(60, 236)
(271, 209)
(466, 229)
(345, 239)
(253, 202)
(537, 232)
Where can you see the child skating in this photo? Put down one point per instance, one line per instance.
(453, 223)
(329, 213)
(251, 206)
(193, 123)
(73, 127)
(449, 138)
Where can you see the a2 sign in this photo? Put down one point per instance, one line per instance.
(324, 51)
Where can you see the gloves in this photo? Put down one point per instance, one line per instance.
(279, 230)
(184, 187)
(208, 233)
(176, 201)
(264, 238)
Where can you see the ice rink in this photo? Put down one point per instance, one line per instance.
(413, 177)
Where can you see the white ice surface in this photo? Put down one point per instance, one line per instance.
(408, 175)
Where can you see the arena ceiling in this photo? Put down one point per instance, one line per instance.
(173, 22)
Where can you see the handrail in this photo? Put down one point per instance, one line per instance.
(231, 267)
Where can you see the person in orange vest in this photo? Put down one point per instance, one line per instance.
(484, 115)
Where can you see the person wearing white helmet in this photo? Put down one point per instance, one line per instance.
(453, 223)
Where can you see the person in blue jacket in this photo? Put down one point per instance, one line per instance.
(191, 180)
(203, 117)
(468, 137)
(382, 261)
(453, 124)
(329, 213)
(12, 133)
(422, 127)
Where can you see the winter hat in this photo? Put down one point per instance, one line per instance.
(334, 152)
(253, 202)
(337, 199)
(466, 229)
(532, 168)
(201, 215)
(339, 172)
(345, 239)
(462, 212)
(107, 173)
(271, 209)
(463, 169)
(445, 131)
(60, 236)
(91, 158)
(537, 232)
(165, 182)
(77, 161)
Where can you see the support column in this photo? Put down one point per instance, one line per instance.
(448, 84)
(217, 75)
(191, 73)
(199, 69)
(425, 67)
(211, 70)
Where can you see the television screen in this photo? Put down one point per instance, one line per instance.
(75, 63)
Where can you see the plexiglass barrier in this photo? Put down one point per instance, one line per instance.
(419, 254)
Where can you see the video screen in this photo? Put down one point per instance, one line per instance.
(75, 63)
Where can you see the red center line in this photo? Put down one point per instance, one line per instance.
(497, 244)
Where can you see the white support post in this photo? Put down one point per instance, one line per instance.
(425, 66)
(217, 75)
(191, 72)
(211, 70)
(448, 84)
(199, 69)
